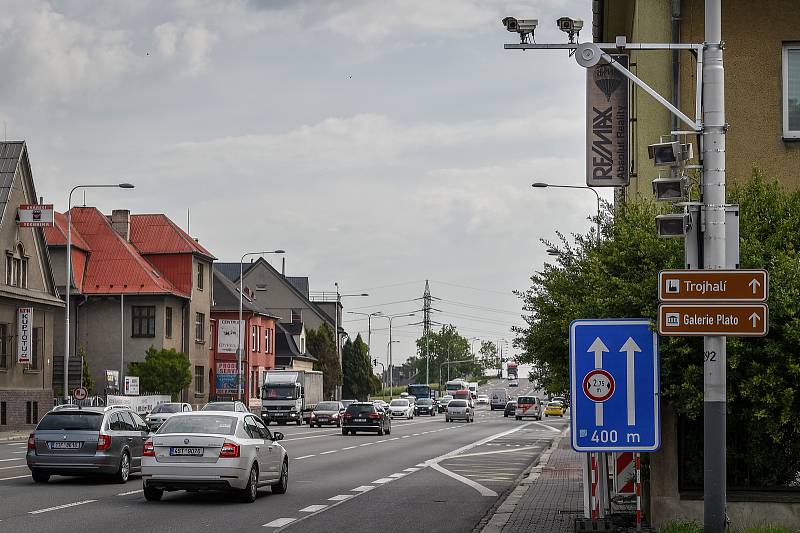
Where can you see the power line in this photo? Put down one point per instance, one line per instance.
(387, 303)
(479, 307)
(475, 288)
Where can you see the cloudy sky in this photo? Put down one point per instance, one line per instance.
(381, 143)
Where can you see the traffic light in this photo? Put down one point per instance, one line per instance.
(374, 362)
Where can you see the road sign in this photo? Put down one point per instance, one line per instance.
(614, 385)
(733, 320)
(713, 285)
(80, 393)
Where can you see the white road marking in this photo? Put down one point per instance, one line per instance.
(405, 436)
(15, 466)
(279, 522)
(312, 508)
(551, 428)
(415, 434)
(367, 444)
(363, 488)
(378, 441)
(13, 459)
(57, 507)
(383, 480)
(340, 497)
(484, 491)
(349, 448)
(395, 438)
(15, 477)
(15, 453)
(421, 464)
(412, 469)
(311, 437)
(398, 474)
(329, 451)
(305, 456)
(129, 492)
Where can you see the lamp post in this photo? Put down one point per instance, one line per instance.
(369, 324)
(541, 185)
(241, 302)
(68, 280)
(336, 333)
(390, 318)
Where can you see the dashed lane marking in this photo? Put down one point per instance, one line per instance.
(57, 507)
(280, 522)
(382, 480)
(340, 497)
(15, 466)
(12, 459)
(329, 451)
(130, 492)
(398, 474)
(305, 456)
(312, 508)
(412, 469)
(363, 488)
(405, 436)
(14, 477)
(349, 448)
(395, 438)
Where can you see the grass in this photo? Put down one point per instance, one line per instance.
(689, 526)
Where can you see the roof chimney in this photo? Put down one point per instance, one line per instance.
(121, 222)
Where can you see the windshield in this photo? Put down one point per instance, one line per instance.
(327, 406)
(203, 424)
(167, 408)
(454, 386)
(360, 409)
(75, 420)
(399, 403)
(424, 401)
(525, 401)
(219, 406)
(458, 403)
(279, 392)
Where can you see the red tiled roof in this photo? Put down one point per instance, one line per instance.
(115, 266)
(57, 235)
(157, 234)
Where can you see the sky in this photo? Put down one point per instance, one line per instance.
(380, 143)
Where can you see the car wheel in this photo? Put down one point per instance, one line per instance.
(344, 431)
(380, 431)
(40, 476)
(339, 424)
(250, 492)
(446, 419)
(152, 494)
(299, 422)
(505, 415)
(388, 429)
(518, 417)
(124, 469)
(283, 483)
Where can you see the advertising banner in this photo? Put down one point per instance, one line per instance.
(131, 385)
(226, 377)
(607, 123)
(24, 325)
(112, 379)
(35, 215)
(228, 335)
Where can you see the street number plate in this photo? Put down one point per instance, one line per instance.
(65, 445)
(186, 451)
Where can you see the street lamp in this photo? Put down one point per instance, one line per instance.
(390, 318)
(239, 343)
(68, 281)
(369, 324)
(336, 327)
(541, 185)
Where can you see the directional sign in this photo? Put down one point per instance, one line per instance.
(713, 285)
(733, 320)
(614, 385)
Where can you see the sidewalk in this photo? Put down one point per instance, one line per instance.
(548, 500)
(6, 436)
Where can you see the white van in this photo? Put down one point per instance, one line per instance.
(498, 399)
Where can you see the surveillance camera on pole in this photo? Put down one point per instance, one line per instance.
(671, 189)
(572, 27)
(524, 27)
(674, 225)
(669, 153)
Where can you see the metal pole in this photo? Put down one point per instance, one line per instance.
(67, 286)
(714, 397)
(391, 377)
(427, 359)
(338, 340)
(121, 336)
(239, 344)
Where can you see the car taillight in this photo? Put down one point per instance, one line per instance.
(335, 415)
(313, 416)
(148, 450)
(229, 449)
(348, 415)
(103, 442)
(374, 416)
(31, 442)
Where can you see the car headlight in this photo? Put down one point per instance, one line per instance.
(335, 415)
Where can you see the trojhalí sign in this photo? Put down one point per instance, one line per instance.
(607, 122)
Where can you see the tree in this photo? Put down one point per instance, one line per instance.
(618, 278)
(443, 346)
(357, 370)
(489, 359)
(162, 371)
(86, 376)
(322, 345)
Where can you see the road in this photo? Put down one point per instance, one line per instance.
(427, 475)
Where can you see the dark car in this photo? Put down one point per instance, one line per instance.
(327, 413)
(425, 406)
(441, 403)
(511, 408)
(365, 416)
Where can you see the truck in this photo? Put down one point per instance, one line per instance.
(498, 399)
(287, 394)
(511, 370)
(419, 391)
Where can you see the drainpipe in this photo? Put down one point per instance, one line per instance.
(676, 71)
(184, 343)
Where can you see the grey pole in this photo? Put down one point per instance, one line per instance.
(338, 340)
(391, 377)
(121, 336)
(714, 397)
(541, 185)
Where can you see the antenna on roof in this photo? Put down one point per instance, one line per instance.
(187, 220)
(84, 197)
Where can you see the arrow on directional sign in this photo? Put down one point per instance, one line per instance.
(754, 284)
(598, 347)
(630, 348)
(754, 318)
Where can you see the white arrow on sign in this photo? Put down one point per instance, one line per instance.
(754, 318)
(598, 347)
(754, 285)
(630, 348)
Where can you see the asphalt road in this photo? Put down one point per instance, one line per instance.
(427, 475)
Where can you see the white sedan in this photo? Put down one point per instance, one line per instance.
(213, 450)
(483, 399)
(401, 408)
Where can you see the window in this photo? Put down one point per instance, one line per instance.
(254, 383)
(3, 345)
(199, 377)
(199, 327)
(200, 275)
(3, 420)
(35, 352)
(266, 340)
(791, 91)
(296, 316)
(143, 319)
(9, 269)
(31, 412)
(302, 345)
(168, 322)
(17, 267)
(253, 338)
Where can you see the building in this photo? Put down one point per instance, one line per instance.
(762, 80)
(29, 301)
(258, 343)
(138, 281)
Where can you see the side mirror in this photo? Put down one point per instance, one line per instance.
(277, 435)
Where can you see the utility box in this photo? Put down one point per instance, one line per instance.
(696, 228)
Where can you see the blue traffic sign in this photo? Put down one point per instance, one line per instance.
(614, 376)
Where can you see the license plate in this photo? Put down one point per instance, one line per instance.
(65, 445)
(186, 451)
(360, 419)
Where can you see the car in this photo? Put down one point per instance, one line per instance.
(380, 403)
(366, 416)
(425, 406)
(346, 403)
(554, 409)
(441, 403)
(562, 400)
(163, 411)
(528, 406)
(510, 408)
(327, 413)
(87, 441)
(401, 408)
(237, 407)
(513, 383)
(214, 450)
(459, 410)
(483, 399)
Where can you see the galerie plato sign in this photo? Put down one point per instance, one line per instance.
(607, 120)
(735, 320)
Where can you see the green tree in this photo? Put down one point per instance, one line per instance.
(86, 376)
(443, 346)
(489, 356)
(357, 370)
(162, 371)
(321, 344)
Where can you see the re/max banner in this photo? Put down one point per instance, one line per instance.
(607, 123)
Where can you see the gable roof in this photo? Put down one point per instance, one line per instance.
(157, 234)
(231, 270)
(226, 297)
(286, 349)
(10, 155)
(56, 235)
(300, 283)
